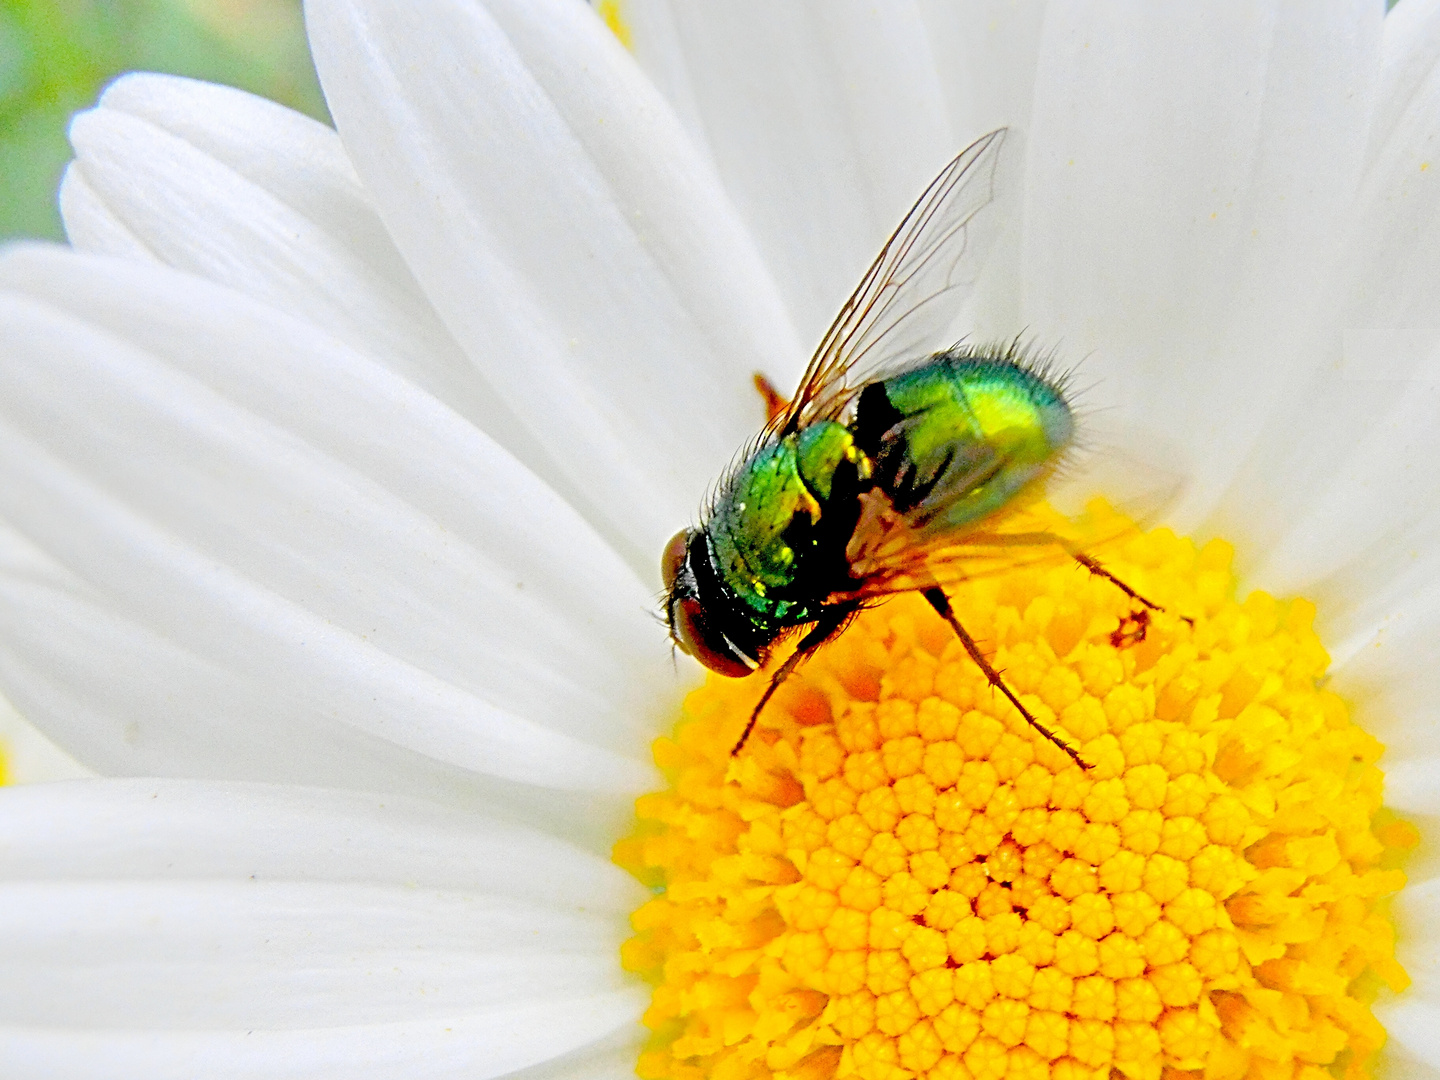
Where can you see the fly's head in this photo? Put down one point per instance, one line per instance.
(688, 572)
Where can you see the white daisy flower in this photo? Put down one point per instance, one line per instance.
(336, 468)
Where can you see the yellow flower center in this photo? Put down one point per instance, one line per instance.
(898, 878)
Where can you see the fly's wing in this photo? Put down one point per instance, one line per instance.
(912, 291)
(890, 554)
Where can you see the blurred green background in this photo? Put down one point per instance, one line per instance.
(56, 56)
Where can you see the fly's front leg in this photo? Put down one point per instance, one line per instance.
(829, 624)
(941, 603)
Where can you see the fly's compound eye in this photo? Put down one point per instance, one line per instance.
(691, 628)
(694, 633)
(673, 559)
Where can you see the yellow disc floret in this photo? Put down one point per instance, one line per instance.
(898, 878)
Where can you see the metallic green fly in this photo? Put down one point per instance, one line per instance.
(889, 471)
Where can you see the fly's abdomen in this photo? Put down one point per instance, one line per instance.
(956, 438)
(779, 529)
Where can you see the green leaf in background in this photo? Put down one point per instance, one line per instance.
(57, 55)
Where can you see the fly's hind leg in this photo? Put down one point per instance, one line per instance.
(827, 626)
(941, 603)
(1089, 562)
(1045, 539)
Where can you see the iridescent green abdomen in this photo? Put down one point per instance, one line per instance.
(956, 438)
(779, 528)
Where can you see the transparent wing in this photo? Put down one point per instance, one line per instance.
(889, 555)
(912, 291)
(1092, 503)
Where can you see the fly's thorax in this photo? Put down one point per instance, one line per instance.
(779, 529)
(958, 437)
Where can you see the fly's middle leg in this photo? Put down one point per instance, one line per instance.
(941, 603)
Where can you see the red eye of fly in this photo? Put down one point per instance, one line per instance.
(698, 638)
(689, 626)
(674, 557)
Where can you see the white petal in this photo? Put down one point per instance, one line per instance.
(825, 121)
(1187, 168)
(1384, 641)
(93, 226)
(1396, 1063)
(1409, 50)
(1336, 478)
(1414, 911)
(1335, 492)
(1412, 1026)
(985, 54)
(28, 756)
(252, 195)
(1388, 276)
(1345, 507)
(1170, 147)
(576, 245)
(500, 1042)
(609, 1059)
(180, 929)
(1412, 1020)
(320, 531)
(1410, 790)
(130, 701)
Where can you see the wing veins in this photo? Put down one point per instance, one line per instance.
(870, 316)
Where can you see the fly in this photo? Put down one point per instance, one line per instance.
(885, 473)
